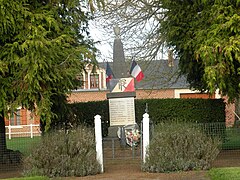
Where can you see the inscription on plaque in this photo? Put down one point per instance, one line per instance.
(121, 111)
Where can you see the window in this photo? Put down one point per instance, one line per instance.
(94, 81)
(12, 119)
(80, 82)
(15, 118)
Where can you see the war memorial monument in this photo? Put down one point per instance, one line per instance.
(122, 92)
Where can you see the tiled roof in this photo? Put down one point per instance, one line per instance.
(158, 75)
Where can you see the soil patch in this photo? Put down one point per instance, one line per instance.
(131, 170)
(7, 171)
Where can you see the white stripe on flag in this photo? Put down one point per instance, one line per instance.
(136, 71)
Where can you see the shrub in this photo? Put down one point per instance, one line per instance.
(64, 154)
(180, 146)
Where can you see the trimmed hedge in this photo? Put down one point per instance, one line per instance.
(83, 113)
(210, 113)
(190, 110)
(160, 110)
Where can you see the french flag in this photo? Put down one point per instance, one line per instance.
(136, 71)
(109, 74)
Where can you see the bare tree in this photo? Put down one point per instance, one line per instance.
(139, 21)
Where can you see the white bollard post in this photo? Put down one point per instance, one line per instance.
(98, 138)
(145, 135)
(31, 130)
(9, 131)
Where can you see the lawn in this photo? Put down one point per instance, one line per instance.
(232, 139)
(232, 173)
(23, 144)
(30, 178)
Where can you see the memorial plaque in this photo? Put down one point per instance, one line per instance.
(121, 111)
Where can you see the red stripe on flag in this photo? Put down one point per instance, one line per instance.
(140, 76)
(136, 71)
(130, 87)
(108, 78)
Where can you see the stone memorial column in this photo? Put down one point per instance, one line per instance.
(122, 92)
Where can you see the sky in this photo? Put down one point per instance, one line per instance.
(105, 45)
(106, 42)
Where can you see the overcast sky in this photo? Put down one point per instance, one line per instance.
(106, 42)
(105, 45)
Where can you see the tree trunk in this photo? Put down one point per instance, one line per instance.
(7, 156)
(237, 111)
(3, 145)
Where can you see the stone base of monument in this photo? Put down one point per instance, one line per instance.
(112, 131)
(116, 132)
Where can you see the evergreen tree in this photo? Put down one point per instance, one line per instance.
(43, 45)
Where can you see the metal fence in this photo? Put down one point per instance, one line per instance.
(114, 150)
(230, 137)
(17, 147)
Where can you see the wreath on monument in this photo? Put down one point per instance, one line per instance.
(132, 137)
(132, 134)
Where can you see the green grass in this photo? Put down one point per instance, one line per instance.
(23, 144)
(30, 178)
(232, 139)
(232, 173)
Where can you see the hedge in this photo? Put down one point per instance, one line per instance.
(160, 110)
(192, 110)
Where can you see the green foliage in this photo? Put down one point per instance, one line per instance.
(43, 45)
(160, 110)
(205, 37)
(224, 173)
(83, 113)
(70, 153)
(209, 113)
(180, 147)
(86, 111)
(189, 110)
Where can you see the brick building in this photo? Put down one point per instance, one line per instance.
(22, 123)
(161, 81)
